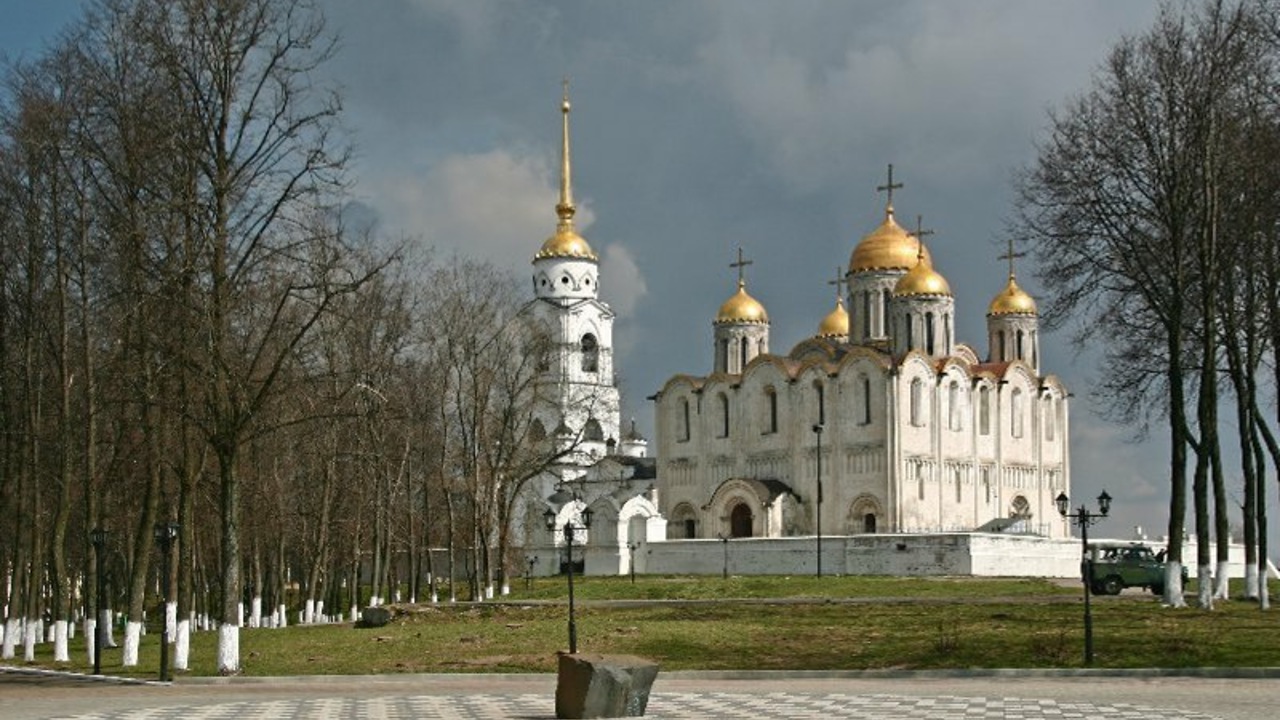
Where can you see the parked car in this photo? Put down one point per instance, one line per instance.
(1116, 566)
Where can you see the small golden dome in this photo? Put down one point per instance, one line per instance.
(888, 247)
(836, 323)
(742, 308)
(566, 243)
(922, 280)
(1012, 300)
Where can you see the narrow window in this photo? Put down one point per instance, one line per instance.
(884, 310)
(590, 353)
(1018, 345)
(1000, 342)
(986, 484)
(771, 398)
(1049, 419)
(592, 431)
(911, 336)
(917, 389)
(959, 488)
(866, 314)
(822, 404)
(724, 415)
(946, 333)
(745, 349)
(953, 405)
(682, 431)
(1015, 409)
(928, 333)
(866, 400)
(984, 410)
(920, 482)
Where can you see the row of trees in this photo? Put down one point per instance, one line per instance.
(1154, 209)
(191, 331)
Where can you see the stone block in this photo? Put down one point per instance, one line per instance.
(374, 617)
(603, 686)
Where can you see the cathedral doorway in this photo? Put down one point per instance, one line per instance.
(869, 523)
(740, 521)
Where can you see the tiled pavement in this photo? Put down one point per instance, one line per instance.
(661, 705)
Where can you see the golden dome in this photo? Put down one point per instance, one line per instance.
(836, 323)
(888, 247)
(742, 308)
(566, 243)
(1012, 300)
(922, 280)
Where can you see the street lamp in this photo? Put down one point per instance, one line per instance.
(817, 430)
(165, 534)
(98, 538)
(1084, 518)
(529, 575)
(632, 547)
(569, 529)
(724, 540)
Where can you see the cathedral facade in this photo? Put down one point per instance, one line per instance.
(880, 422)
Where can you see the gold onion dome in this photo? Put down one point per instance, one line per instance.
(742, 308)
(888, 247)
(566, 242)
(836, 323)
(1012, 300)
(922, 280)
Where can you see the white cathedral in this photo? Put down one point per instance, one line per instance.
(879, 423)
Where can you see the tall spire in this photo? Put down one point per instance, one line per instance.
(565, 208)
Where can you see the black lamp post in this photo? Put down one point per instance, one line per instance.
(550, 517)
(165, 534)
(632, 548)
(817, 430)
(1084, 518)
(724, 541)
(98, 538)
(529, 575)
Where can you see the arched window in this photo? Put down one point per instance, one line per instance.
(920, 482)
(866, 400)
(959, 487)
(1049, 419)
(984, 410)
(869, 523)
(682, 421)
(1020, 509)
(740, 521)
(946, 333)
(592, 431)
(986, 484)
(928, 333)
(1000, 343)
(909, 330)
(884, 309)
(953, 406)
(1018, 345)
(822, 402)
(724, 414)
(771, 408)
(537, 431)
(866, 314)
(590, 353)
(745, 350)
(685, 522)
(917, 402)
(1015, 410)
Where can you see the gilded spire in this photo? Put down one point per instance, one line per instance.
(889, 188)
(1010, 256)
(565, 208)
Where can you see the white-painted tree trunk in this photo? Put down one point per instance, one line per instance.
(282, 615)
(375, 601)
(50, 633)
(132, 638)
(506, 589)
(1173, 585)
(108, 638)
(30, 637)
(435, 597)
(90, 627)
(229, 649)
(171, 620)
(355, 613)
(309, 612)
(255, 611)
(71, 630)
(1251, 582)
(240, 615)
(182, 646)
(1204, 585)
(1222, 581)
(488, 591)
(10, 638)
(60, 652)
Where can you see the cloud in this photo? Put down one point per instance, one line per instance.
(496, 205)
(621, 283)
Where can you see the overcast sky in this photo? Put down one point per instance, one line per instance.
(699, 127)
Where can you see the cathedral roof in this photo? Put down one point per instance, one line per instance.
(566, 242)
(888, 247)
(742, 308)
(1012, 300)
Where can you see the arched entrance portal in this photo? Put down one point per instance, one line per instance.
(740, 521)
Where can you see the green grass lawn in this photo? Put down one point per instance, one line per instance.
(832, 623)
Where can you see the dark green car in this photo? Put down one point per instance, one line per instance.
(1116, 566)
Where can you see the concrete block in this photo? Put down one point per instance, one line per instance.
(603, 686)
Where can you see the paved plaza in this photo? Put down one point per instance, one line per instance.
(1020, 696)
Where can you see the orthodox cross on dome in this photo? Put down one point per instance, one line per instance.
(1011, 255)
(889, 188)
(919, 235)
(742, 263)
(565, 208)
(838, 282)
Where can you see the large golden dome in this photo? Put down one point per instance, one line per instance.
(836, 323)
(1012, 300)
(742, 308)
(888, 247)
(566, 243)
(922, 280)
